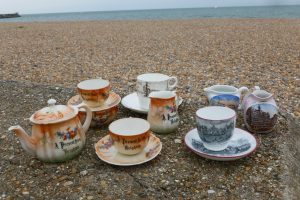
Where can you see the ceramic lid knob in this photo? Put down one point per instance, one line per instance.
(256, 88)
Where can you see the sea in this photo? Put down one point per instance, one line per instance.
(290, 12)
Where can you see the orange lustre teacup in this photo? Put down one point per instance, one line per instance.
(130, 135)
(94, 92)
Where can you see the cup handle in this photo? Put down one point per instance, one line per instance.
(241, 91)
(176, 98)
(171, 87)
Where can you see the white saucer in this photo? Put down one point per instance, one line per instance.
(131, 102)
(240, 145)
(106, 151)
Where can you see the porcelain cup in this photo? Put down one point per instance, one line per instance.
(163, 115)
(215, 125)
(130, 135)
(147, 83)
(94, 92)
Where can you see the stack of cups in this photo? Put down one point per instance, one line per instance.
(96, 94)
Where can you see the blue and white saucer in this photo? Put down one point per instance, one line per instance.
(240, 145)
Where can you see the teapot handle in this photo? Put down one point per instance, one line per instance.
(88, 118)
(243, 89)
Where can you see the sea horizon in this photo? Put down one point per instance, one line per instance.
(151, 9)
(274, 11)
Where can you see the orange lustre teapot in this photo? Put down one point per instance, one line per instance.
(57, 133)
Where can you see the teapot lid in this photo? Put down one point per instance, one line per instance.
(53, 113)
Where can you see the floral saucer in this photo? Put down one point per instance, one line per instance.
(106, 151)
(102, 115)
(131, 102)
(113, 100)
(240, 145)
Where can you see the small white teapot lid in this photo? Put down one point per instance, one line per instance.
(53, 113)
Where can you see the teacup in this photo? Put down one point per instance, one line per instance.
(94, 92)
(130, 135)
(147, 83)
(215, 125)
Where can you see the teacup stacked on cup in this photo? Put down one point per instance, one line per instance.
(94, 92)
(97, 94)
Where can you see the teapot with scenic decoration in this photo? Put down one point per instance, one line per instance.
(57, 133)
(260, 111)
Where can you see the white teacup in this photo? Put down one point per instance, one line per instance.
(130, 135)
(147, 83)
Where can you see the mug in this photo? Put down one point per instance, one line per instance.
(147, 83)
(94, 92)
(130, 135)
(215, 125)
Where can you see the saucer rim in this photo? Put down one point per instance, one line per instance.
(140, 109)
(128, 164)
(137, 109)
(97, 109)
(205, 155)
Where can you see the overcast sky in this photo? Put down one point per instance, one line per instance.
(51, 6)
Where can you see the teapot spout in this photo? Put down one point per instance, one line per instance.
(208, 92)
(27, 142)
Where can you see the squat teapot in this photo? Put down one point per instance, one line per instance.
(57, 133)
(260, 111)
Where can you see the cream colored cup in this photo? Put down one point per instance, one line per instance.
(130, 135)
(147, 83)
(94, 92)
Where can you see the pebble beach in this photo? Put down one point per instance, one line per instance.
(45, 60)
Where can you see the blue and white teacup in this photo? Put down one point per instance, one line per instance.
(215, 125)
